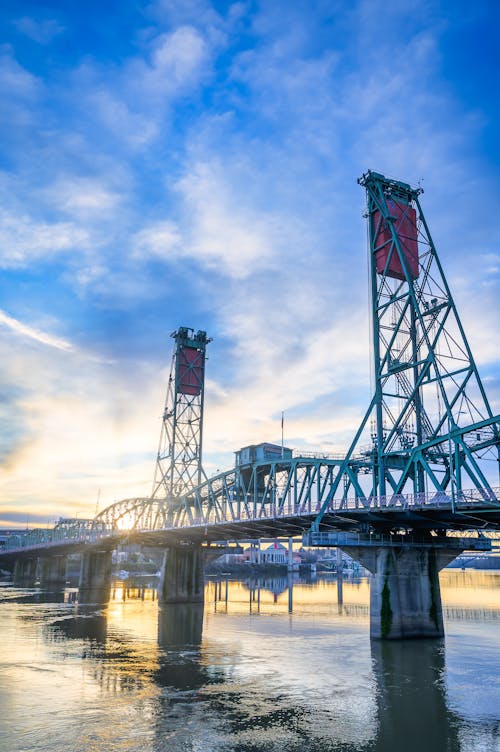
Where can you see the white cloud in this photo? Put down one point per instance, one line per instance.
(215, 227)
(177, 63)
(32, 333)
(220, 229)
(83, 198)
(136, 128)
(24, 240)
(15, 80)
(160, 240)
(178, 57)
(135, 100)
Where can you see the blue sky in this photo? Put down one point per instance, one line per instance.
(192, 163)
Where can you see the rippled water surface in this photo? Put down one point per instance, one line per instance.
(247, 674)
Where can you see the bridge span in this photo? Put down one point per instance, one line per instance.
(397, 500)
(403, 540)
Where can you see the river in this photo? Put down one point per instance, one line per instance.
(262, 669)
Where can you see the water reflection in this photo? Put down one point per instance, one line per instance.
(95, 595)
(84, 624)
(412, 709)
(180, 624)
(246, 675)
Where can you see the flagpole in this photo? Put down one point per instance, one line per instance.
(282, 447)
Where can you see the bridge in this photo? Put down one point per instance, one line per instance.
(411, 493)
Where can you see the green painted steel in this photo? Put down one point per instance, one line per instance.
(179, 459)
(419, 459)
(429, 424)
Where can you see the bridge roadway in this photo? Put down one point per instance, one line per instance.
(402, 540)
(143, 520)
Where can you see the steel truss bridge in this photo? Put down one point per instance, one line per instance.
(267, 499)
(431, 427)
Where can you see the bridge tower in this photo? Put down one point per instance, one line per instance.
(430, 422)
(179, 460)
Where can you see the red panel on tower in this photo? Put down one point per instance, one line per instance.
(405, 225)
(190, 371)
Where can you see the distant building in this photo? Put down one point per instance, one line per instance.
(276, 553)
(262, 453)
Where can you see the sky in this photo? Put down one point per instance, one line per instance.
(194, 163)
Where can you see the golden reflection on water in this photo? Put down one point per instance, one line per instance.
(246, 672)
(470, 589)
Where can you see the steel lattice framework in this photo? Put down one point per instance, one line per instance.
(430, 423)
(297, 489)
(179, 459)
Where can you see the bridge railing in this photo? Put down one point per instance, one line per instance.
(241, 509)
(238, 508)
(41, 538)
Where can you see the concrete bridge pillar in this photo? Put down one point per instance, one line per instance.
(24, 571)
(51, 571)
(94, 585)
(405, 597)
(182, 579)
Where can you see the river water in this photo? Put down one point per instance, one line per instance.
(248, 674)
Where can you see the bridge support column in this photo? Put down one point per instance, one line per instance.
(51, 571)
(182, 578)
(290, 554)
(405, 597)
(24, 573)
(95, 577)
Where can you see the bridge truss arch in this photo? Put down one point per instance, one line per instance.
(139, 513)
(259, 490)
(298, 487)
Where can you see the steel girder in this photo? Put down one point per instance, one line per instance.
(299, 487)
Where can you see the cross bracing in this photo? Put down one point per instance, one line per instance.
(263, 500)
(179, 459)
(430, 423)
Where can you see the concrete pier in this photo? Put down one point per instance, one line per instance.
(24, 573)
(182, 575)
(405, 597)
(51, 571)
(95, 577)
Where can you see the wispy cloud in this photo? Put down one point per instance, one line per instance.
(42, 31)
(24, 240)
(35, 334)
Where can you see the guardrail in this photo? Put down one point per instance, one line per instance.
(249, 509)
(366, 540)
(50, 537)
(234, 511)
